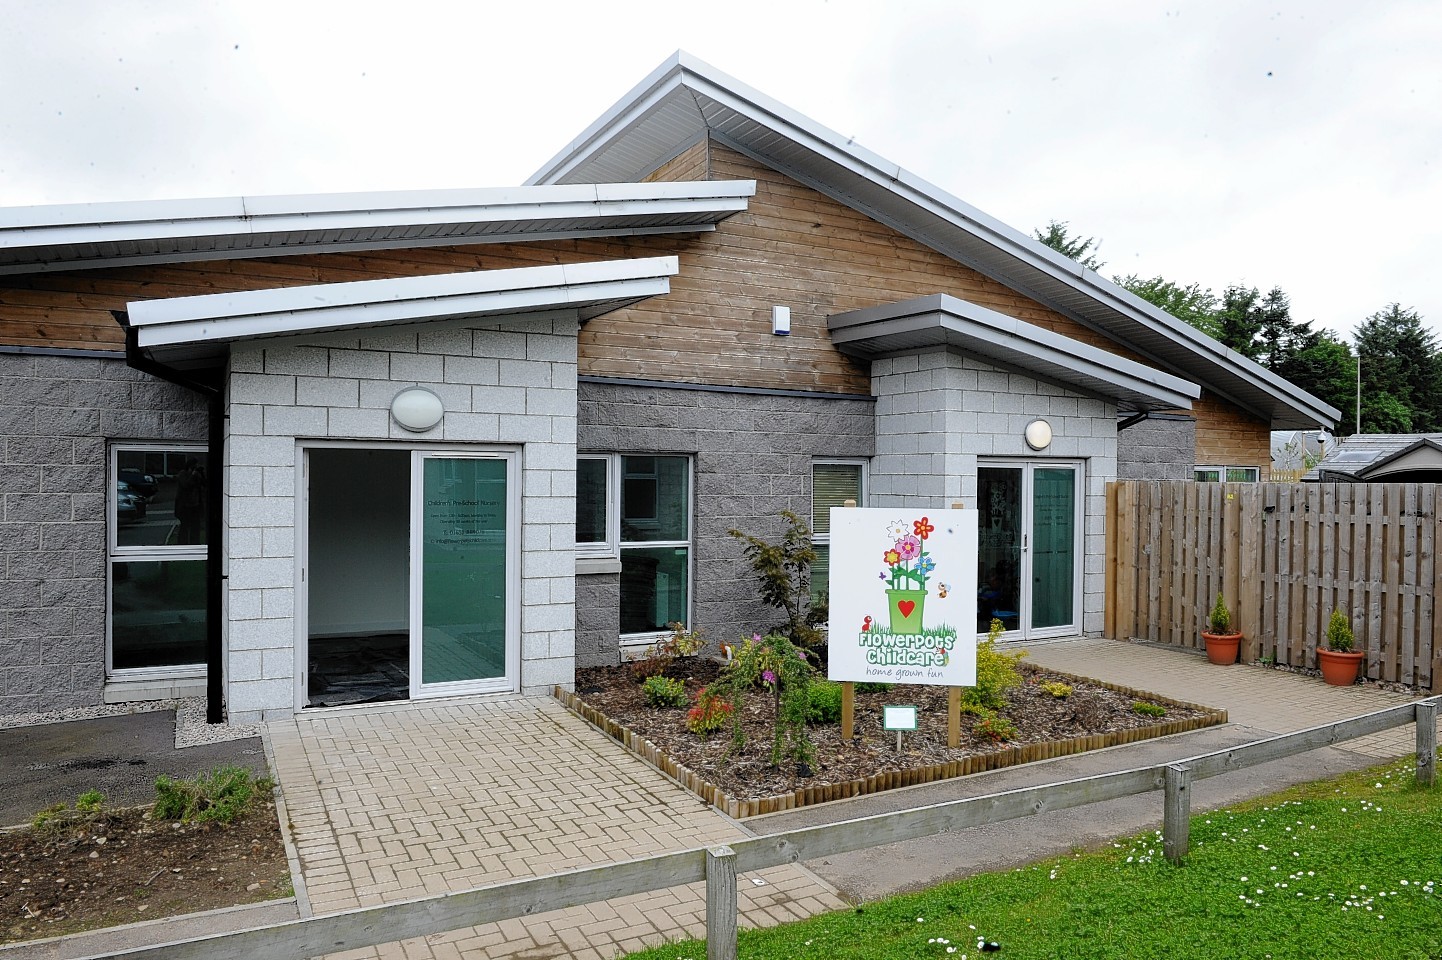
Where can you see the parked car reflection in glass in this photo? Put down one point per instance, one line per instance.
(129, 505)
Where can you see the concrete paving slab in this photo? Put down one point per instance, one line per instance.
(119, 756)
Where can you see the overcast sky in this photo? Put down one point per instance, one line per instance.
(1294, 143)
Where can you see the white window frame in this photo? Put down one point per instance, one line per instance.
(616, 546)
(610, 549)
(1222, 473)
(115, 553)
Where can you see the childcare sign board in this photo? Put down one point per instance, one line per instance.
(903, 596)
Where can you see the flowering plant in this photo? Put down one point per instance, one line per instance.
(907, 560)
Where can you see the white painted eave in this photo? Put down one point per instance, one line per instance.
(96, 235)
(194, 331)
(686, 98)
(941, 320)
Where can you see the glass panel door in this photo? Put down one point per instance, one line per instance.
(999, 554)
(463, 621)
(1027, 548)
(1053, 546)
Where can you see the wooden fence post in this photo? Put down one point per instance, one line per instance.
(1176, 812)
(720, 903)
(1427, 743)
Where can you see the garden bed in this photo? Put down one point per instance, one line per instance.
(744, 783)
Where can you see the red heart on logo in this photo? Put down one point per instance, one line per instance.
(906, 606)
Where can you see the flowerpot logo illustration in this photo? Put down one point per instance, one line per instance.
(907, 570)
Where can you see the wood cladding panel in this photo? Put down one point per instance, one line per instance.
(1229, 437)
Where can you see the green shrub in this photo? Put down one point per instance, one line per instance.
(783, 573)
(218, 796)
(51, 816)
(992, 725)
(825, 702)
(87, 807)
(664, 693)
(869, 687)
(1339, 633)
(710, 714)
(996, 672)
(1057, 689)
(776, 664)
(1220, 619)
(1149, 709)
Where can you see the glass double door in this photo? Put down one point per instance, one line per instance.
(411, 572)
(1029, 548)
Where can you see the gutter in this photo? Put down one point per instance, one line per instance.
(214, 393)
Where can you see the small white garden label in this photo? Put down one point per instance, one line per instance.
(898, 718)
(903, 596)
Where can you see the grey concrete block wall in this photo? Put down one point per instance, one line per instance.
(752, 454)
(1161, 447)
(58, 416)
(939, 413)
(598, 619)
(507, 382)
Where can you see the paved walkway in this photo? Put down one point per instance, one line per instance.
(399, 802)
(403, 801)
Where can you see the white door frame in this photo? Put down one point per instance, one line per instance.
(510, 681)
(302, 554)
(1024, 629)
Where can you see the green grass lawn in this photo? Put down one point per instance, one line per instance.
(1341, 868)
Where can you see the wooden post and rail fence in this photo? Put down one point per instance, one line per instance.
(718, 866)
(1284, 556)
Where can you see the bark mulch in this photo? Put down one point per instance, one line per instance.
(1093, 715)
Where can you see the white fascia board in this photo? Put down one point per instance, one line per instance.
(51, 226)
(277, 312)
(1024, 341)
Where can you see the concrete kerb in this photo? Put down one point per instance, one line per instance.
(292, 856)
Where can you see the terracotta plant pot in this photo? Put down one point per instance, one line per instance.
(1339, 668)
(1222, 647)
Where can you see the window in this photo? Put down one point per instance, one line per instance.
(1231, 474)
(638, 510)
(833, 482)
(596, 524)
(157, 542)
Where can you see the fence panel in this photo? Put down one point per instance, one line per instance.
(1284, 556)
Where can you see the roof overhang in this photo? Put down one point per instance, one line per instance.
(941, 320)
(686, 99)
(95, 235)
(196, 332)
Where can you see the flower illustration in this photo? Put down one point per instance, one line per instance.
(907, 564)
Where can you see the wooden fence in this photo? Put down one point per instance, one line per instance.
(718, 866)
(1284, 556)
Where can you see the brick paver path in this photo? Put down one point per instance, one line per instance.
(394, 803)
(1275, 701)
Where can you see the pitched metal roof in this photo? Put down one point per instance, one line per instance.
(1378, 457)
(943, 320)
(195, 332)
(686, 99)
(92, 235)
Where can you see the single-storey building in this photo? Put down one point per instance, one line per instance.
(299, 452)
(1380, 458)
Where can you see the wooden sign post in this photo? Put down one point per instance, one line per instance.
(848, 689)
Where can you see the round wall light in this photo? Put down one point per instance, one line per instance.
(417, 409)
(1038, 434)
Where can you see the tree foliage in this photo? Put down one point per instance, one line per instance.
(1081, 249)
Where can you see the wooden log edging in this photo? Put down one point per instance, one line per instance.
(892, 779)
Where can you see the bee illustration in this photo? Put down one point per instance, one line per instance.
(942, 589)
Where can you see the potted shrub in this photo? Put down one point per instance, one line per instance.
(1339, 662)
(1222, 644)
